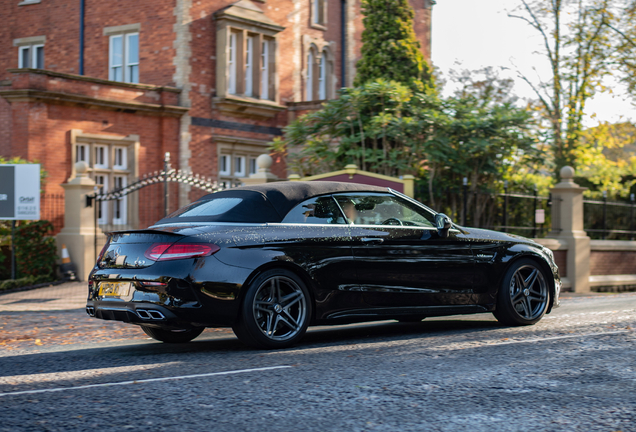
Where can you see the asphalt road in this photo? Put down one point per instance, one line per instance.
(573, 371)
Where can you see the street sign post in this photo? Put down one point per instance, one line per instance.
(19, 197)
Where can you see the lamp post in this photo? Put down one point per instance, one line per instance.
(505, 207)
(166, 192)
(631, 219)
(534, 213)
(464, 216)
(604, 214)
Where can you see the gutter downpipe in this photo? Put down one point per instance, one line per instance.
(81, 38)
(343, 43)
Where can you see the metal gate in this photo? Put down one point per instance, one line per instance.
(148, 199)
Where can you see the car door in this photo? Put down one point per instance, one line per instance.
(322, 246)
(399, 258)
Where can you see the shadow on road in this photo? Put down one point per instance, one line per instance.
(225, 347)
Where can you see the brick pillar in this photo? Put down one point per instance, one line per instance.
(567, 225)
(78, 233)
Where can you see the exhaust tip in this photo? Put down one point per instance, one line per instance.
(150, 314)
(143, 314)
(90, 311)
(156, 315)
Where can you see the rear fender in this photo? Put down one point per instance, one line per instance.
(287, 265)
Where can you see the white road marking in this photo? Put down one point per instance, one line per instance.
(58, 389)
(410, 346)
(555, 338)
(79, 374)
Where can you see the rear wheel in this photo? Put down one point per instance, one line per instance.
(524, 295)
(275, 311)
(172, 336)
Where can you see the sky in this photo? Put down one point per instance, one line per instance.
(480, 33)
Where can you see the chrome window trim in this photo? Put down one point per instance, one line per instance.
(356, 225)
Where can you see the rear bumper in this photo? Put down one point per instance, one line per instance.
(137, 314)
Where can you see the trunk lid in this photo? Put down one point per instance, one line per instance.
(127, 249)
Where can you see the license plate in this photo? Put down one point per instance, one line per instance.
(114, 289)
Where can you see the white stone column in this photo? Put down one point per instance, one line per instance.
(78, 233)
(264, 174)
(567, 225)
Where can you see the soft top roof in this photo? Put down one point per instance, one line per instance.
(272, 201)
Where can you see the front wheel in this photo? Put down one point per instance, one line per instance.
(172, 336)
(275, 311)
(524, 294)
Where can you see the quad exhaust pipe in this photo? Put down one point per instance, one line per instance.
(149, 314)
(145, 314)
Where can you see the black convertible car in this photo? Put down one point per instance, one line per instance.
(271, 260)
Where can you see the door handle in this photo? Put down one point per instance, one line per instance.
(372, 240)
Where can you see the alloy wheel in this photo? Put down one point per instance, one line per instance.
(528, 292)
(280, 308)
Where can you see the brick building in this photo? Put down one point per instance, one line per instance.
(118, 84)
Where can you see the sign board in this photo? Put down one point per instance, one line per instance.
(539, 216)
(20, 192)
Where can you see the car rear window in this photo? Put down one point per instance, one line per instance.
(213, 207)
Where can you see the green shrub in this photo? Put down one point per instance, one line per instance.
(35, 252)
(22, 282)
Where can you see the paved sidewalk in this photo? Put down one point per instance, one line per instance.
(69, 295)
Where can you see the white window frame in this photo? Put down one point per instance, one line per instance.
(239, 166)
(129, 76)
(102, 179)
(318, 11)
(253, 166)
(121, 181)
(232, 67)
(249, 65)
(309, 90)
(265, 69)
(322, 77)
(225, 164)
(100, 157)
(126, 66)
(112, 66)
(32, 56)
(83, 153)
(120, 158)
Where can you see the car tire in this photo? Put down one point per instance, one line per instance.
(275, 311)
(172, 336)
(524, 294)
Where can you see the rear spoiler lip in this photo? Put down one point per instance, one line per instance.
(146, 231)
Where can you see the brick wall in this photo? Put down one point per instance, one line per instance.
(37, 128)
(612, 262)
(560, 258)
(5, 127)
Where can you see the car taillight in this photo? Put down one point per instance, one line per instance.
(169, 251)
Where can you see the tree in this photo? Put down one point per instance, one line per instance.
(622, 26)
(607, 159)
(483, 142)
(390, 49)
(381, 126)
(577, 42)
(388, 128)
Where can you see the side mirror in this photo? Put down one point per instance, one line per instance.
(443, 223)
